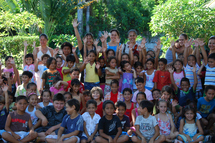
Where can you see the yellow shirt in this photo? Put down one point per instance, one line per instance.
(66, 77)
(91, 75)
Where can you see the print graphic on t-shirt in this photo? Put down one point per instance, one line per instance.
(123, 124)
(205, 109)
(146, 127)
(25, 124)
(112, 126)
(2, 113)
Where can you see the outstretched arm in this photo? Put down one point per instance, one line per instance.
(75, 25)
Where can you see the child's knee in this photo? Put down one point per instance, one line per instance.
(98, 139)
(134, 139)
(212, 116)
(179, 138)
(162, 138)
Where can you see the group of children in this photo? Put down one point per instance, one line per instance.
(128, 95)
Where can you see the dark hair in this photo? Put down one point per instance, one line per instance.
(123, 65)
(152, 52)
(109, 51)
(100, 58)
(30, 95)
(28, 73)
(56, 79)
(58, 97)
(44, 35)
(137, 56)
(166, 88)
(192, 56)
(86, 92)
(149, 55)
(46, 90)
(186, 80)
(142, 94)
(74, 69)
(2, 99)
(151, 59)
(74, 102)
(212, 56)
(181, 54)
(45, 56)
(97, 88)
(127, 90)
(21, 97)
(66, 44)
(31, 84)
(155, 90)
(187, 108)
(114, 81)
(162, 100)
(185, 36)
(163, 60)
(139, 80)
(59, 57)
(115, 31)
(68, 93)
(70, 58)
(177, 60)
(89, 34)
(120, 103)
(126, 55)
(136, 64)
(147, 104)
(75, 82)
(91, 101)
(30, 56)
(111, 58)
(108, 102)
(209, 87)
(132, 30)
(49, 61)
(212, 37)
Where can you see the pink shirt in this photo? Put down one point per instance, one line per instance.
(53, 89)
(148, 96)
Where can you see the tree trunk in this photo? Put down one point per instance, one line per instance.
(87, 19)
(80, 19)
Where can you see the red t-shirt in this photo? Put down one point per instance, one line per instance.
(128, 111)
(81, 89)
(60, 71)
(162, 78)
(113, 97)
(99, 109)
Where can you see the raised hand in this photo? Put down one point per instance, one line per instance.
(95, 42)
(102, 38)
(172, 43)
(56, 50)
(143, 43)
(86, 60)
(171, 70)
(60, 52)
(75, 23)
(98, 49)
(120, 47)
(196, 43)
(97, 65)
(174, 103)
(201, 43)
(158, 42)
(194, 69)
(105, 34)
(188, 43)
(34, 44)
(5, 88)
(7, 75)
(118, 40)
(85, 40)
(25, 43)
(73, 49)
(155, 48)
(103, 50)
(139, 48)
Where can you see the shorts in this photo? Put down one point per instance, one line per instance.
(89, 85)
(1, 131)
(185, 138)
(85, 138)
(22, 134)
(42, 129)
(55, 137)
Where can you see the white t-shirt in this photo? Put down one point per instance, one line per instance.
(42, 105)
(147, 126)
(32, 114)
(148, 96)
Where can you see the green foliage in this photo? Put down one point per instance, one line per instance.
(10, 5)
(58, 40)
(174, 17)
(14, 46)
(23, 23)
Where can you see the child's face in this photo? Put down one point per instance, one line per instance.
(1, 106)
(75, 88)
(120, 111)
(110, 54)
(191, 61)
(166, 95)
(143, 110)
(161, 65)
(46, 97)
(109, 109)
(125, 58)
(21, 105)
(127, 96)
(156, 95)
(127, 67)
(185, 86)
(91, 57)
(25, 79)
(189, 115)
(8, 62)
(113, 63)
(149, 65)
(29, 61)
(44, 60)
(74, 75)
(59, 62)
(69, 109)
(140, 86)
(91, 109)
(58, 105)
(66, 50)
(32, 89)
(87, 97)
(178, 65)
(139, 69)
(33, 100)
(102, 62)
(135, 59)
(52, 65)
(96, 95)
(211, 44)
(211, 63)
(140, 98)
(10, 99)
(67, 97)
(162, 107)
(148, 56)
(151, 53)
(114, 88)
(70, 64)
(181, 57)
(210, 94)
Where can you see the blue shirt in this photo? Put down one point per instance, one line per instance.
(3, 118)
(112, 47)
(210, 75)
(73, 124)
(183, 96)
(204, 107)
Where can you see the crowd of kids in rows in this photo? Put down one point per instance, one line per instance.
(127, 93)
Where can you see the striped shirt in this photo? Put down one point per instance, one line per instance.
(189, 75)
(210, 75)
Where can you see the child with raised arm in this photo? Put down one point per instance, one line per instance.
(18, 122)
(91, 121)
(70, 60)
(73, 122)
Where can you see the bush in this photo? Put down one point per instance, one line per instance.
(14, 46)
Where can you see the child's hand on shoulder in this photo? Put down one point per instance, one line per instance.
(174, 103)
(194, 69)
